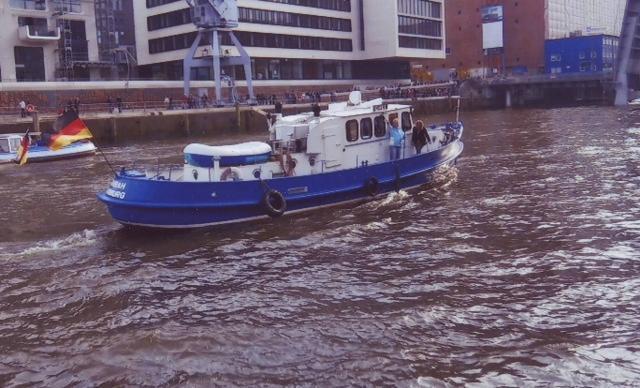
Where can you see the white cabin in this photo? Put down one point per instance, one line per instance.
(347, 135)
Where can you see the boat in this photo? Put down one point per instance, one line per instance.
(39, 151)
(311, 160)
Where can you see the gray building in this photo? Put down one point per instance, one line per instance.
(47, 40)
(116, 38)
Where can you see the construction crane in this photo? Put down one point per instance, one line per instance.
(216, 17)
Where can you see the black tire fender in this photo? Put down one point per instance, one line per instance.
(372, 186)
(274, 203)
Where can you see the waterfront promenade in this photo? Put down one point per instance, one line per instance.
(156, 122)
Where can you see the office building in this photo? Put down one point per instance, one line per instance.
(48, 40)
(492, 37)
(116, 38)
(300, 40)
(581, 54)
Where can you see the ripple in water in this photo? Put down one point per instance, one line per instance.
(518, 268)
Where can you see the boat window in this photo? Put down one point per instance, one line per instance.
(366, 128)
(14, 144)
(406, 121)
(352, 130)
(4, 145)
(380, 126)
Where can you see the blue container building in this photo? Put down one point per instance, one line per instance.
(581, 54)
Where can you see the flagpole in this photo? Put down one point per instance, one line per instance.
(106, 160)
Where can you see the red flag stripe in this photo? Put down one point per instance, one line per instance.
(74, 128)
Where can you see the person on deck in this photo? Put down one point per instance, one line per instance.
(396, 140)
(419, 136)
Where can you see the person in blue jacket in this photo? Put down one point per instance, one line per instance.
(396, 140)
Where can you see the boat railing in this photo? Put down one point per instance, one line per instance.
(164, 172)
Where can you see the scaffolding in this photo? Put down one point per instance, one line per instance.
(65, 50)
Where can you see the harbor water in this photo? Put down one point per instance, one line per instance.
(521, 267)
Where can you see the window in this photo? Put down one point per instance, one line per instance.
(155, 3)
(419, 43)
(406, 121)
(29, 63)
(14, 144)
(582, 55)
(37, 26)
(253, 39)
(366, 128)
(380, 126)
(337, 5)
(594, 54)
(4, 145)
(556, 57)
(415, 26)
(38, 5)
(352, 130)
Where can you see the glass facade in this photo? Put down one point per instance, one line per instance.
(254, 39)
(156, 3)
(250, 15)
(337, 5)
(420, 43)
(565, 17)
(422, 22)
(293, 69)
(425, 8)
(416, 26)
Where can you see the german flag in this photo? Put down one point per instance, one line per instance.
(69, 129)
(23, 150)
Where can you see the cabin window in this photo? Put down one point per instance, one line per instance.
(406, 121)
(352, 130)
(4, 145)
(14, 144)
(380, 127)
(366, 128)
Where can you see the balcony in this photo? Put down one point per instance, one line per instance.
(38, 34)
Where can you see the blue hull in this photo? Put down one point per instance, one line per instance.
(168, 204)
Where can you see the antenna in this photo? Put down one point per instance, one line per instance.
(216, 17)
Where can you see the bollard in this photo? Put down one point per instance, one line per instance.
(114, 129)
(36, 121)
(238, 116)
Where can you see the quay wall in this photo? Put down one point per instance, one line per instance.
(155, 125)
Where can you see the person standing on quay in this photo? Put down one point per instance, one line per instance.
(23, 108)
(396, 140)
(76, 105)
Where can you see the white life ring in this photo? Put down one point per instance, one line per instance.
(230, 174)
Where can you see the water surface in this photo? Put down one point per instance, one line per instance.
(519, 267)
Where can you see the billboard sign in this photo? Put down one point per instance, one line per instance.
(492, 27)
